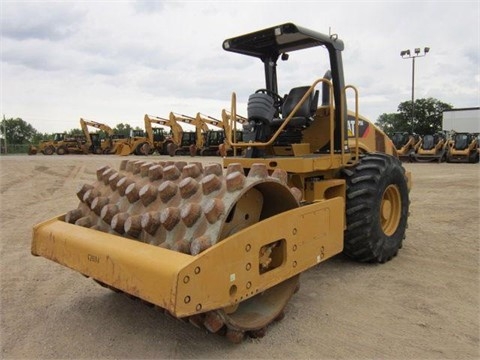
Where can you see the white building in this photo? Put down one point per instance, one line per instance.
(462, 120)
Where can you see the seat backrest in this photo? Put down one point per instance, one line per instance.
(307, 109)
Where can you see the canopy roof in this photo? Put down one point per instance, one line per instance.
(271, 42)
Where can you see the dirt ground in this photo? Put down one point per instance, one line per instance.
(424, 304)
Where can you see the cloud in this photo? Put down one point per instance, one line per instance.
(115, 61)
(148, 6)
(40, 20)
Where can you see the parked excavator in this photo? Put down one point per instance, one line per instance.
(463, 148)
(147, 142)
(215, 143)
(211, 138)
(431, 148)
(110, 145)
(223, 247)
(206, 140)
(180, 142)
(157, 136)
(406, 144)
(171, 141)
(192, 141)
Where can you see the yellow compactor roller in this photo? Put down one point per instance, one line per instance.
(223, 246)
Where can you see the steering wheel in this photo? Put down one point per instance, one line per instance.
(277, 99)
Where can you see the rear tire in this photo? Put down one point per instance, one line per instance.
(61, 150)
(142, 149)
(171, 149)
(474, 157)
(163, 148)
(192, 149)
(376, 208)
(49, 150)
(449, 157)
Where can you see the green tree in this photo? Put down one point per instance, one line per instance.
(122, 129)
(74, 132)
(391, 123)
(37, 137)
(17, 131)
(427, 117)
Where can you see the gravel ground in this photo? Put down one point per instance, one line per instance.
(424, 304)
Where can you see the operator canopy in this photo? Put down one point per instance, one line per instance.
(271, 42)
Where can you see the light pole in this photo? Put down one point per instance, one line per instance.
(406, 54)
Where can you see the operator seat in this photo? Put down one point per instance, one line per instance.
(262, 120)
(304, 115)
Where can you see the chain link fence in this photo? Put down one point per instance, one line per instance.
(14, 149)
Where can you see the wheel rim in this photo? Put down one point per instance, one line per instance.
(390, 210)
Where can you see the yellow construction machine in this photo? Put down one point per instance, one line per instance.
(464, 148)
(110, 145)
(60, 144)
(72, 145)
(223, 247)
(204, 140)
(215, 140)
(169, 143)
(406, 144)
(211, 139)
(137, 143)
(207, 140)
(147, 142)
(157, 135)
(432, 147)
(192, 141)
(47, 147)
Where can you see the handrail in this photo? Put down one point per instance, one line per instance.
(357, 151)
(233, 116)
(227, 118)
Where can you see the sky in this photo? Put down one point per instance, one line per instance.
(114, 61)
